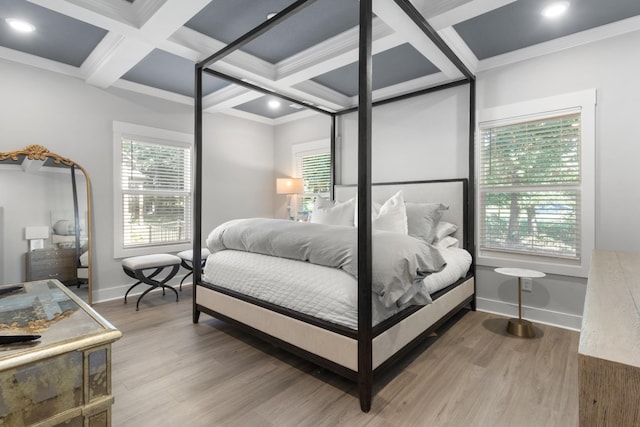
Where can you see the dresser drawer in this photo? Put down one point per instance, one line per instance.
(57, 264)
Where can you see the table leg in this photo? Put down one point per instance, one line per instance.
(520, 327)
(519, 299)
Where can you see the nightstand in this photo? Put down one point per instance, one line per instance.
(520, 327)
(59, 264)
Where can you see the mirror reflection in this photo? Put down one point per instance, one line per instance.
(45, 219)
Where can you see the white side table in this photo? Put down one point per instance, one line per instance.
(520, 327)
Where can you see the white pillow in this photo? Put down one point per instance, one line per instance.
(327, 212)
(448, 242)
(391, 216)
(423, 219)
(444, 229)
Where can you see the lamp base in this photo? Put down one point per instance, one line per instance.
(521, 328)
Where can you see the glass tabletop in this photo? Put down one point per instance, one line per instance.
(45, 308)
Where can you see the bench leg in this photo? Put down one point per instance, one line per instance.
(149, 280)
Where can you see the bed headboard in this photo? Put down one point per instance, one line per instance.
(452, 193)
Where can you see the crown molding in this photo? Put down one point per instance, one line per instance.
(39, 62)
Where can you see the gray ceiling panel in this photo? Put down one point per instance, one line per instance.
(226, 20)
(57, 37)
(520, 24)
(393, 66)
(260, 106)
(169, 72)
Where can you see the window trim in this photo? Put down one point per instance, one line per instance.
(585, 101)
(321, 146)
(312, 147)
(153, 135)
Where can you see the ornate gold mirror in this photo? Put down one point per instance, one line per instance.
(45, 219)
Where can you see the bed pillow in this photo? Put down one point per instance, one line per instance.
(333, 213)
(390, 216)
(423, 219)
(447, 242)
(445, 229)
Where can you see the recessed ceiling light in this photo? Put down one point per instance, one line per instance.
(274, 104)
(556, 9)
(20, 25)
(271, 15)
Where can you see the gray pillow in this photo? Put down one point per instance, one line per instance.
(423, 218)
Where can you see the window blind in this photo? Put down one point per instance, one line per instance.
(529, 179)
(315, 169)
(156, 193)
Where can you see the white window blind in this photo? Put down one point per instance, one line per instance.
(156, 193)
(315, 169)
(530, 187)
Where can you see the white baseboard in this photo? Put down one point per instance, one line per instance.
(534, 314)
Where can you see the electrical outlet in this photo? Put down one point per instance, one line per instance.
(527, 284)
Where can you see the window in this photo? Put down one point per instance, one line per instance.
(312, 162)
(153, 192)
(535, 182)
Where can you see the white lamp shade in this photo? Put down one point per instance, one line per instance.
(289, 186)
(32, 233)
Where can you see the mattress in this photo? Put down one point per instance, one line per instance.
(325, 293)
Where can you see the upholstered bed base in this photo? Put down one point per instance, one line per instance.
(340, 351)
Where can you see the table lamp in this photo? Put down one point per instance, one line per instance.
(289, 186)
(36, 236)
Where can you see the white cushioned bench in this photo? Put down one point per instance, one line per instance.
(187, 261)
(135, 267)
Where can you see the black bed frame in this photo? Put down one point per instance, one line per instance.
(365, 333)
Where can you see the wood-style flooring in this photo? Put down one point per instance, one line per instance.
(168, 371)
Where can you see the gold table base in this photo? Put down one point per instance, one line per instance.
(520, 328)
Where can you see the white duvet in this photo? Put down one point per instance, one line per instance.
(325, 293)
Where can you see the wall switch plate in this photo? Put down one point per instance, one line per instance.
(527, 284)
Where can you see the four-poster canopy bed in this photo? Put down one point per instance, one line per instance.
(361, 347)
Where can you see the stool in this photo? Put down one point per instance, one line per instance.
(135, 268)
(187, 261)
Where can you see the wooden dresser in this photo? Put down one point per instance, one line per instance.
(64, 377)
(609, 351)
(59, 264)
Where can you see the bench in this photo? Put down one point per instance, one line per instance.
(187, 261)
(146, 268)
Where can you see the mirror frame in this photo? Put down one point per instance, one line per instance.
(39, 152)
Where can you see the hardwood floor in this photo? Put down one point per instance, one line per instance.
(168, 371)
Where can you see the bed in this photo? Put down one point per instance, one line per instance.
(361, 345)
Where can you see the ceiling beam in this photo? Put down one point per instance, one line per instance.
(126, 44)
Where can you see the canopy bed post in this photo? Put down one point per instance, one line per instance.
(365, 370)
(333, 157)
(197, 236)
(471, 197)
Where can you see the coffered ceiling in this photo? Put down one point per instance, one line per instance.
(150, 46)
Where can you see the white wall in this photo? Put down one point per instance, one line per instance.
(74, 119)
(419, 138)
(314, 128)
(612, 67)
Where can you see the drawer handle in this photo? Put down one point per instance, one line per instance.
(54, 275)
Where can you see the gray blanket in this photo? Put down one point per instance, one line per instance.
(399, 261)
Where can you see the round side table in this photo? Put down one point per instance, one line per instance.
(520, 327)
